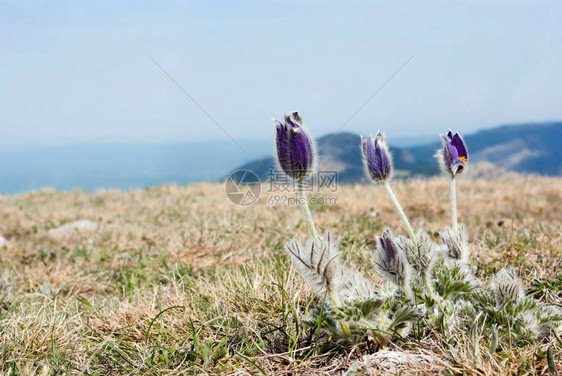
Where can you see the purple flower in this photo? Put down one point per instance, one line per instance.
(295, 148)
(454, 156)
(388, 246)
(376, 158)
(391, 261)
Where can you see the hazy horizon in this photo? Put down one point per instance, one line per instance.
(129, 165)
(399, 140)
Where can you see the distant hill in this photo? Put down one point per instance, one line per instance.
(339, 153)
(526, 148)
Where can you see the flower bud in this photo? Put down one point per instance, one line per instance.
(376, 158)
(507, 286)
(456, 244)
(453, 157)
(391, 261)
(421, 256)
(295, 148)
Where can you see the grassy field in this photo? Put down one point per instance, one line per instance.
(177, 280)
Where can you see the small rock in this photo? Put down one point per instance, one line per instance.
(393, 362)
(2, 241)
(82, 225)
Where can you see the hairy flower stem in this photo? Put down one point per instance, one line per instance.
(401, 213)
(408, 292)
(306, 210)
(335, 301)
(330, 294)
(426, 277)
(427, 284)
(454, 204)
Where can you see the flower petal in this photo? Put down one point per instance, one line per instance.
(458, 143)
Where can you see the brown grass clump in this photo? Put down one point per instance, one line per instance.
(177, 280)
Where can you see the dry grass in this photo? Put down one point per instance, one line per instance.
(176, 280)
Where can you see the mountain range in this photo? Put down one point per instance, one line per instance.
(525, 148)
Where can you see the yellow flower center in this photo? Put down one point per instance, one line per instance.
(462, 159)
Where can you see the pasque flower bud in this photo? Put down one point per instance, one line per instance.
(390, 260)
(453, 157)
(376, 158)
(295, 148)
(456, 244)
(507, 286)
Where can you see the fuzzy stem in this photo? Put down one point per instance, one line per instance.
(333, 298)
(331, 295)
(427, 283)
(454, 204)
(335, 301)
(401, 213)
(408, 291)
(306, 210)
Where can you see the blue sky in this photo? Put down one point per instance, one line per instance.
(79, 72)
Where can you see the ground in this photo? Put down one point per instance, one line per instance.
(177, 280)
